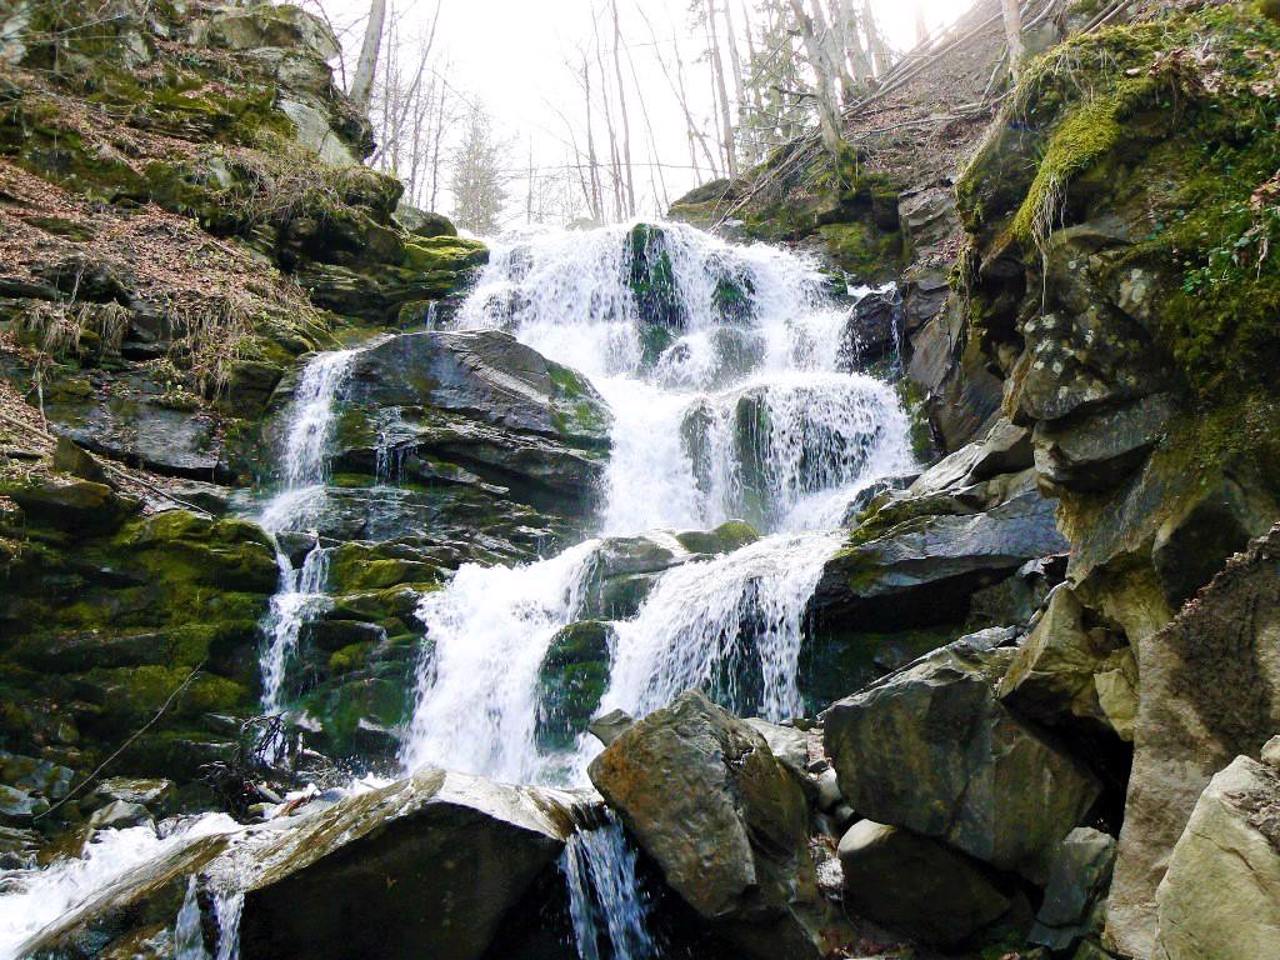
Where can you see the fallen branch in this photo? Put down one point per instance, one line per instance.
(164, 707)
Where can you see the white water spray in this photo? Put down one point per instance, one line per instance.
(304, 468)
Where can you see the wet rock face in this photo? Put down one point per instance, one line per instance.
(1208, 685)
(931, 749)
(1231, 843)
(497, 411)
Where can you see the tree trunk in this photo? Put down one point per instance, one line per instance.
(878, 49)
(366, 67)
(1013, 33)
(622, 109)
(722, 92)
(828, 115)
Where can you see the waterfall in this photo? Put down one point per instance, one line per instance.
(35, 898)
(303, 470)
(606, 901)
(477, 687)
(731, 626)
(188, 930)
(729, 401)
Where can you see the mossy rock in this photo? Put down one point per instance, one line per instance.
(652, 278)
(729, 536)
(356, 568)
(572, 680)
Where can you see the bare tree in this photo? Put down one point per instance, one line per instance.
(694, 133)
(722, 93)
(367, 66)
(622, 109)
(1013, 33)
(824, 82)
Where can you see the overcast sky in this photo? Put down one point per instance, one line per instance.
(511, 55)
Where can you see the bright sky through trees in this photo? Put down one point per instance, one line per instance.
(515, 56)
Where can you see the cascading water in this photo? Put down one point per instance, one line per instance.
(728, 401)
(606, 901)
(303, 468)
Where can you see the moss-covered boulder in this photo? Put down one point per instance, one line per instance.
(652, 278)
(571, 681)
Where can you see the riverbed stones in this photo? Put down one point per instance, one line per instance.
(930, 748)
(915, 885)
(1220, 897)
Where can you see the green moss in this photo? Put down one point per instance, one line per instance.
(349, 658)
(572, 678)
(862, 251)
(142, 690)
(729, 536)
(652, 278)
(1127, 122)
(1082, 140)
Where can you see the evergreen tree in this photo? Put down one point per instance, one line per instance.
(478, 182)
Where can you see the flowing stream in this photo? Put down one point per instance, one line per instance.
(303, 470)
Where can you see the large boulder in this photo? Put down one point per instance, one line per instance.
(925, 568)
(1220, 897)
(1054, 678)
(930, 748)
(1208, 695)
(484, 402)
(725, 821)
(915, 885)
(427, 866)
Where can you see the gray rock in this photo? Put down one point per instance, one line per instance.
(42, 778)
(484, 402)
(609, 726)
(724, 820)
(1097, 452)
(1052, 676)
(118, 815)
(155, 795)
(789, 745)
(1220, 897)
(1271, 752)
(1078, 880)
(1209, 694)
(924, 570)
(931, 749)
(313, 130)
(19, 807)
(915, 885)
